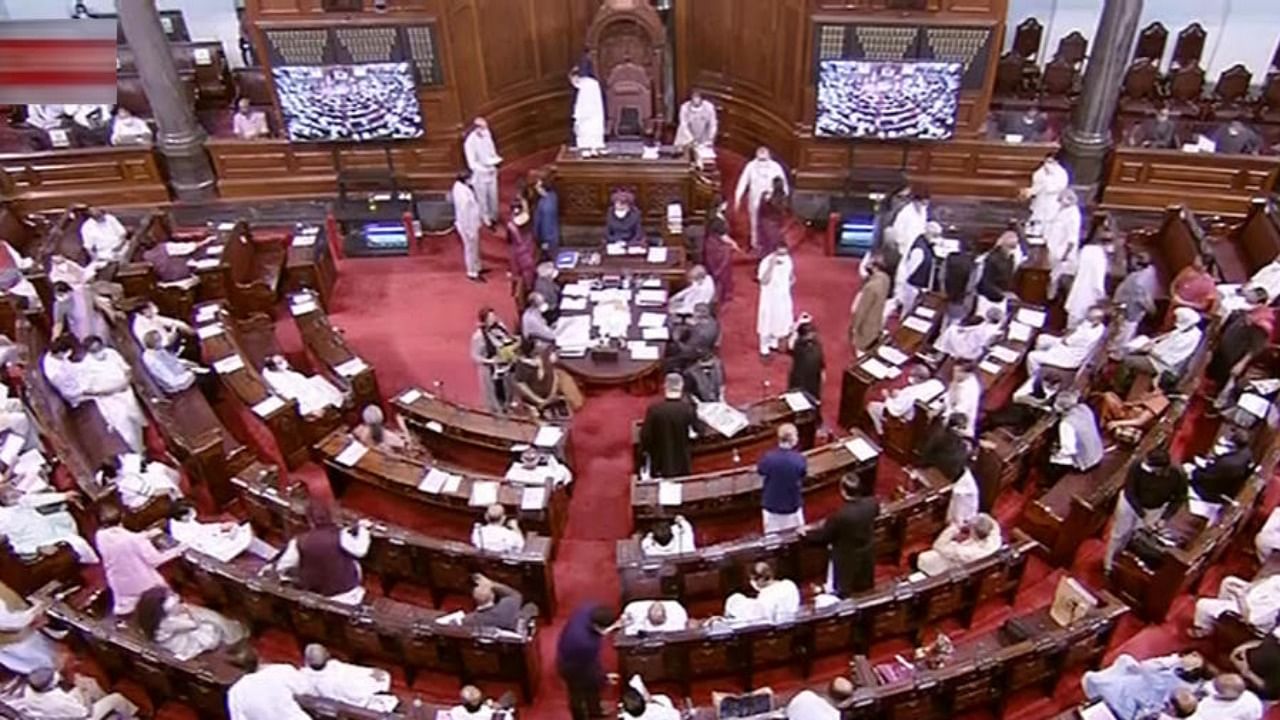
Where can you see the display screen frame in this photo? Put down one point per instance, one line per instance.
(954, 77)
(296, 131)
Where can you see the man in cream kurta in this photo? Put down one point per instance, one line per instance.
(467, 219)
(483, 159)
(1047, 182)
(1062, 238)
(776, 600)
(357, 685)
(961, 543)
(105, 377)
(314, 393)
(775, 316)
(754, 183)
(698, 127)
(588, 115)
(1258, 602)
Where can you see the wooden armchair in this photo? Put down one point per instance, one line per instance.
(1186, 86)
(1189, 47)
(629, 99)
(254, 268)
(1151, 43)
(1230, 93)
(1139, 89)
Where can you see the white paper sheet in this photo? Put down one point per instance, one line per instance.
(204, 263)
(410, 396)
(989, 367)
(1004, 354)
(721, 417)
(206, 313)
(1255, 405)
(204, 332)
(302, 308)
(228, 364)
(226, 226)
(483, 493)
(1019, 332)
(434, 481)
(651, 297)
(303, 241)
(670, 493)
(891, 354)
(925, 312)
(573, 304)
(435, 426)
(641, 351)
(657, 255)
(650, 319)
(1027, 316)
(656, 333)
(351, 368)
(533, 498)
(352, 453)
(548, 436)
(271, 404)
(861, 449)
(797, 401)
(615, 249)
(920, 325)
(879, 370)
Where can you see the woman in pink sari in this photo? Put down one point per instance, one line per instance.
(524, 251)
(717, 256)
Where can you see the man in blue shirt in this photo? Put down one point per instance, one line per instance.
(783, 470)
(546, 218)
(578, 658)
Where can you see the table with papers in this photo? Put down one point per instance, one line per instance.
(613, 330)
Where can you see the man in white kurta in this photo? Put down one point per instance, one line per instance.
(639, 704)
(674, 537)
(1062, 240)
(1070, 351)
(171, 330)
(909, 224)
(588, 115)
(357, 685)
(42, 697)
(1047, 182)
(963, 505)
(140, 480)
(1267, 540)
(901, 403)
(103, 236)
(961, 543)
(1257, 602)
(313, 393)
(105, 377)
(698, 127)
(964, 396)
(754, 183)
(497, 534)
(267, 692)
(23, 647)
(1089, 288)
(775, 316)
(1267, 278)
(483, 159)
(1230, 700)
(224, 541)
(1167, 352)
(776, 600)
(701, 290)
(969, 340)
(654, 616)
(467, 219)
(129, 129)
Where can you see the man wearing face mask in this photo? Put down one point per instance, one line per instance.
(622, 224)
(533, 321)
(545, 285)
(106, 375)
(483, 160)
(1089, 288)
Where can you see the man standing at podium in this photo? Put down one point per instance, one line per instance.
(698, 127)
(483, 159)
(588, 115)
(755, 182)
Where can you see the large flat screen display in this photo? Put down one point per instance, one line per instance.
(888, 100)
(349, 103)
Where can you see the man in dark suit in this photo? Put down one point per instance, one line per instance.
(1223, 476)
(664, 436)
(851, 534)
(947, 448)
(690, 342)
(497, 605)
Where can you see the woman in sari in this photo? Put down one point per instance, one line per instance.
(185, 630)
(493, 350)
(718, 250)
(773, 218)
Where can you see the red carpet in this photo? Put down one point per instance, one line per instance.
(411, 319)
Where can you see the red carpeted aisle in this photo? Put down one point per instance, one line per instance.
(412, 318)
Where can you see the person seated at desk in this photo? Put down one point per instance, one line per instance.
(701, 289)
(809, 705)
(129, 560)
(1030, 126)
(970, 339)
(357, 685)
(41, 698)
(961, 543)
(373, 432)
(637, 703)
(1159, 132)
(172, 331)
(313, 392)
(533, 321)
(901, 403)
(1229, 699)
(139, 480)
(265, 692)
(1257, 602)
(325, 559)
(692, 340)
(1235, 138)
(947, 447)
(1258, 662)
(474, 706)
(223, 541)
(653, 616)
(104, 237)
(1166, 354)
(548, 289)
(1195, 288)
(704, 380)
(1244, 336)
(38, 520)
(1069, 352)
(25, 647)
(1266, 278)
(664, 434)
(669, 537)
(170, 260)
(129, 129)
(1134, 301)
(1128, 420)
(623, 223)
(1221, 476)
(1078, 445)
(183, 629)
(775, 599)
(247, 123)
(1130, 687)
(497, 605)
(537, 383)
(497, 534)
(172, 373)
(538, 468)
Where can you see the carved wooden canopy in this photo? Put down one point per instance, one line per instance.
(629, 32)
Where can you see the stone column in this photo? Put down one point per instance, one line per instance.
(1088, 138)
(179, 138)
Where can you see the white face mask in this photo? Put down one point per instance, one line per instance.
(620, 212)
(544, 307)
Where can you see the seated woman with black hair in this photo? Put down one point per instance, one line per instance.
(538, 383)
(182, 629)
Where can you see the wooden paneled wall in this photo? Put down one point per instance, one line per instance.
(97, 176)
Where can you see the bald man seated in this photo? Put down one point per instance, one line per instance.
(475, 707)
(650, 616)
(497, 605)
(809, 705)
(351, 684)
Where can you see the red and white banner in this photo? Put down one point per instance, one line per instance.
(58, 61)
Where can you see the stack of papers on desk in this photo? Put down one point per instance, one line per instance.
(573, 304)
(548, 436)
(891, 354)
(651, 283)
(641, 350)
(207, 313)
(526, 476)
(1019, 332)
(670, 493)
(657, 255)
(573, 331)
(614, 249)
(228, 364)
(989, 367)
(351, 368)
(651, 297)
(1255, 405)
(437, 481)
(352, 453)
(861, 449)
(656, 333)
(304, 307)
(533, 498)
(410, 396)
(483, 493)
(581, 288)
(613, 319)
(879, 370)
(1004, 354)
(918, 324)
(651, 319)
(204, 332)
(1027, 316)
(797, 401)
(723, 418)
(925, 312)
(271, 404)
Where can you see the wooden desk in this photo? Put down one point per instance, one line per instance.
(1246, 248)
(586, 184)
(715, 570)
(471, 438)
(713, 451)
(24, 574)
(399, 554)
(1148, 179)
(616, 367)
(401, 476)
(310, 265)
(108, 176)
(903, 607)
(737, 491)
(325, 344)
(857, 381)
(594, 263)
